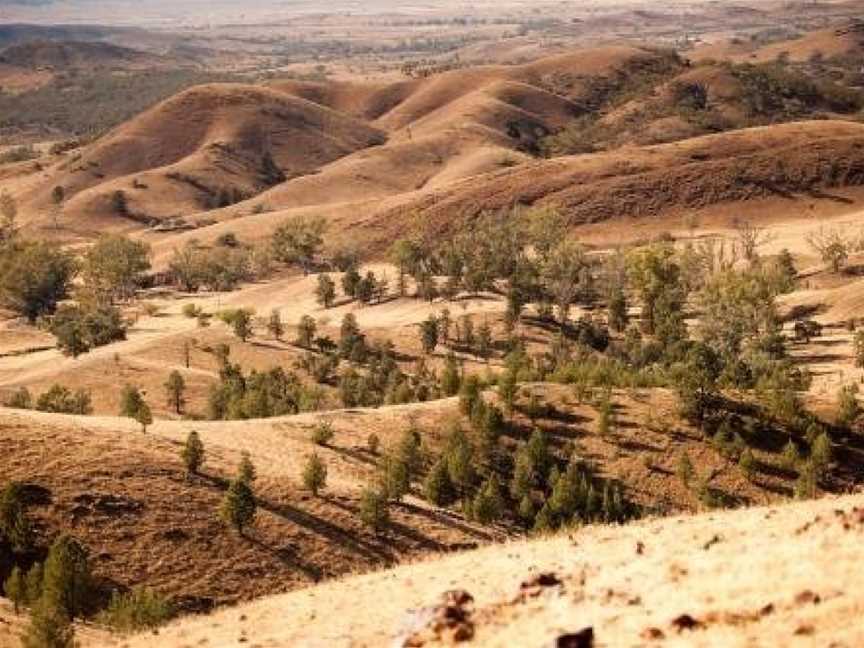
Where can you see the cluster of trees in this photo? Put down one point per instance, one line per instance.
(529, 482)
(57, 399)
(61, 588)
(221, 267)
(275, 392)
(35, 277)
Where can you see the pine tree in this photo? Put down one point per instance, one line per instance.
(488, 504)
(821, 453)
(66, 582)
(193, 453)
(437, 486)
(16, 589)
(144, 416)
(315, 474)
(618, 311)
(373, 509)
(544, 520)
(450, 379)
(246, 470)
(49, 628)
(395, 481)
(791, 456)
(526, 510)
(33, 582)
(175, 386)
(14, 526)
(239, 508)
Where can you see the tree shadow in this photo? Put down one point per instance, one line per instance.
(288, 556)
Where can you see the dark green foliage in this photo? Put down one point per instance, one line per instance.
(488, 504)
(49, 628)
(79, 329)
(137, 610)
(246, 472)
(238, 508)
(373, 509)
(469, 394)
(450, 377)
(34, 277)
(429, 334)
(275, 326)
(193, 453)
(314, 474)
(60, 400)
(306, 331)
(175, 386)
(15, 528)
(67, 585)
(437, 487)
(15, 589)
(325, 291)
(133, 405)
(256, 395)
(848, 409)
(395, 478)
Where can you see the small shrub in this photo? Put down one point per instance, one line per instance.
(323, 433)
(137, 610)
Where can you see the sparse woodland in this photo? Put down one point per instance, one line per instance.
(323, 389)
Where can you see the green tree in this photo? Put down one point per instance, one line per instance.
(34, 277)
(322, 433)
(450, 376)
(306, 331)
(144, 417)
(133, 405)
(314, 474)
(395, 478)
(49, 628)
(114, 267)
(274, 324)
(239, 507)
(618, 316)
(848, 409)
(16, 589)
(858, 343)
(67, 584)
(246, 470)
(437, 487)
(298, 240)
(175, 387)
(325, 291)
(241, 323)
(429, 334)
(15, 528)
(488, 504)
(79, 329)
(193, 453)
(373, 509)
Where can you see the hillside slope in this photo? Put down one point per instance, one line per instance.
(737, 578)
